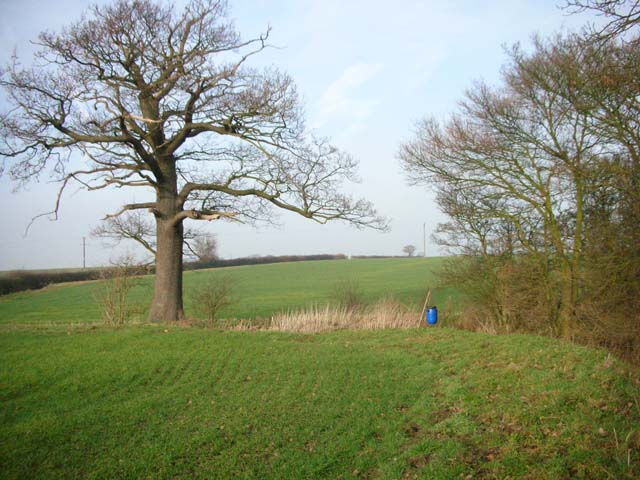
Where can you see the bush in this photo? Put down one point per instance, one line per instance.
(211, 297)
(505, 294)
(112, 293)
(521, 295)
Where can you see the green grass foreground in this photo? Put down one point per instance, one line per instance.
(261, 290)
(157, 402)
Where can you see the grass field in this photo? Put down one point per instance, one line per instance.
(86, 401)
(143, 402)
(261, 289)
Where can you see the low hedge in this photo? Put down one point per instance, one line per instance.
(19, 280)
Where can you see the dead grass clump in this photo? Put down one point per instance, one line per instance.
(477, 319)
(314, 319)
(387, 313)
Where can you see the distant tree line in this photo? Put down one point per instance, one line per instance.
(21, 280)
(363, 257)
(237, 262)
(540, 179)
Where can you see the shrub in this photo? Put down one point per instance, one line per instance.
(113, 292)
(212, 296)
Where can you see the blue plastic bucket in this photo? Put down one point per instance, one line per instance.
(432, 315)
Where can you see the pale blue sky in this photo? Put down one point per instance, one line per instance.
(367, 70)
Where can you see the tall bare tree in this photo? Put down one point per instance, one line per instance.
(204, 247)
(511, 166)
(605, 69)
(155, 98)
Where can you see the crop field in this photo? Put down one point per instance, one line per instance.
(80, 400)
(261, 290)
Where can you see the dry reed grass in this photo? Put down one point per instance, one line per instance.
(384, 314)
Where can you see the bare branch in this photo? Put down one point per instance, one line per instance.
(133, 226)
(622, 15)
(151, 206)
(207, 215)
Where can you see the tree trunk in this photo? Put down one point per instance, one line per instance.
(568, 303)
(167, 293)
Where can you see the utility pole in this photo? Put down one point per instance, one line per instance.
(84, 252)
(424, 240)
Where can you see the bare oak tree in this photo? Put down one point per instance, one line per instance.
(409, 250)
(204, 247)
(511, 167)
(137, 94)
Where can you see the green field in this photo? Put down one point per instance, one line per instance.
(261, 289)
(191, 403)
(146, 401)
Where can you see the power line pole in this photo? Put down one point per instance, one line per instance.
(84, 252)
(424, 240)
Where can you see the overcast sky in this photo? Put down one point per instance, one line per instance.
(367, 71)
